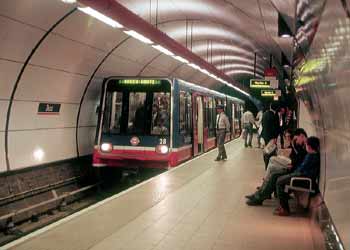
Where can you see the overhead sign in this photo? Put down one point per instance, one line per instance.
(49, 108)
(270, 72)
(268, 93)
(259, 83)
(139, 81)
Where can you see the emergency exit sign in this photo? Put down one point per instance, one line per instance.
(259, 83)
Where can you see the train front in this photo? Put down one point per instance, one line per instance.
(134, 123)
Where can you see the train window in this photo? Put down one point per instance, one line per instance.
(182, 118)
(185, 114)
(160, 123)
(211, 117)
(137, 112)
(116, 112)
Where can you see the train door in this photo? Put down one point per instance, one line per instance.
(198, 125)
(233, 121)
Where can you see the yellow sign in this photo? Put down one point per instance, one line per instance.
(268, 92)
(259, 84)
(139, 81)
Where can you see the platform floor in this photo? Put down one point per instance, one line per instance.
(199, 205)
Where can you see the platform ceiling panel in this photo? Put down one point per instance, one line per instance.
(39, 13)
(17, 39)
(165, 63)
(119, 66)
(50, 85)
(136, 51)
(60, 53)
(90, 31)
(151, 72)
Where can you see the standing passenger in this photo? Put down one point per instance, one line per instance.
(222, 125)
(258, 124)
(248, 121)
(270, 130)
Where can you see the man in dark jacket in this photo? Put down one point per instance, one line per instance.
(270, 124)
(270, 129)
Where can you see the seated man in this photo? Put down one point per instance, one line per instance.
(268, 186)
(310, 168)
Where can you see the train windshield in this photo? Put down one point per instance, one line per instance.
(137, 109)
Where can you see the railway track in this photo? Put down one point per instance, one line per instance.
(63, 199)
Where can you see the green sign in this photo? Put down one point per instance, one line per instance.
(139, 81)
(268, 93)
(259, 84)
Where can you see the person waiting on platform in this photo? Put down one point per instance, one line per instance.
(248, 121)
(269, 183)
(309, 168)
(258, 124)
(222, 126)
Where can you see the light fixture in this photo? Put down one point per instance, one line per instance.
(100, 16)
(163, 50)
(138, 36)
(106, 147)
(283, 28)
(179, 58)
(194, 66)
(162, 149)
(69, 1)
(39, 154)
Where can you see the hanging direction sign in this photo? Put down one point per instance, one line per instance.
(259, 83)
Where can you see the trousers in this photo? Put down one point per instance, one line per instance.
(221, 133)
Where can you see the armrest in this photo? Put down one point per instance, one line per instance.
(293, 184)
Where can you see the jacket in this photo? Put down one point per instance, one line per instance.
(222, 122)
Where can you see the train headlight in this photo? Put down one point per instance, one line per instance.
(106, 147)
(162, 149)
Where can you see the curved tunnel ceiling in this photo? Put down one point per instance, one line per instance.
(205, 26)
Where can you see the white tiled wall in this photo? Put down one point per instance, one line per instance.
(2, 152)
(42, 84)
(8, 80)
(25, 116)
(57, 144)
(86, 140)
(3, 114)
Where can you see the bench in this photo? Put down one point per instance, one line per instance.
(302, 188)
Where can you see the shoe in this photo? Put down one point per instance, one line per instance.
(254, 202)
(250, 196)
(281, 212)
(217, 159)
(224, 158)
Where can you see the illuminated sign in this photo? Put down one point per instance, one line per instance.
(268, 92)
(258, 83)
(138, 81)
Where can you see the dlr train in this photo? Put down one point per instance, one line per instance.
(158, 123)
